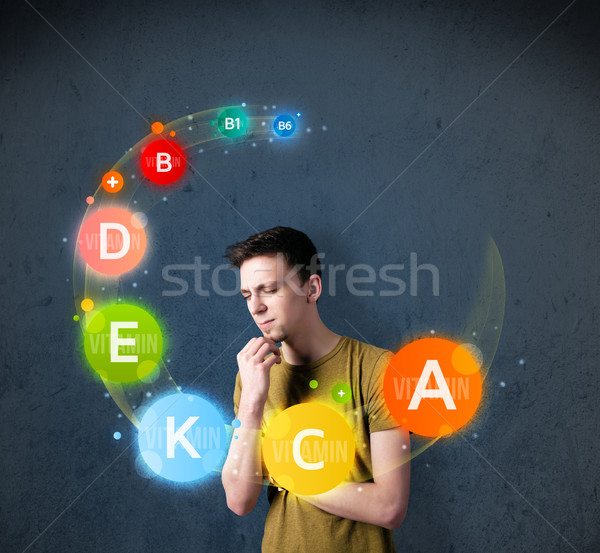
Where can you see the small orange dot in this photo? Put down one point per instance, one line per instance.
(90, 200)
(172, 133)
(87, 304)
(157, 127)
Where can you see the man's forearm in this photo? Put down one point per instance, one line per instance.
(242, 473)
(366, 502)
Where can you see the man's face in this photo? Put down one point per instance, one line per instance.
(274, 296)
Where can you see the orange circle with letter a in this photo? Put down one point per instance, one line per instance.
(432, 386)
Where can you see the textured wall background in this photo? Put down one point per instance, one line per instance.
(386, 79)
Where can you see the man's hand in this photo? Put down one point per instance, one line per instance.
(255, 370)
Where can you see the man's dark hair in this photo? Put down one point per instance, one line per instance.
(296, 247)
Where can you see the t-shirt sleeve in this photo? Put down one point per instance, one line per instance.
(379, 416)
(237, 392)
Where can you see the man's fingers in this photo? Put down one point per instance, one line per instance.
(266, 348)
(260, 342)
(271, 360)
(247, 346)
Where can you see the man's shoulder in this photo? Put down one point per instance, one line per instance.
(365, 350)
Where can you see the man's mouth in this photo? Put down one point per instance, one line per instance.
(266, 323)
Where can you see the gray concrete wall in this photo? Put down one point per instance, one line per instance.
(521, 163)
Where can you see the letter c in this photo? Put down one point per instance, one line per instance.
(296, 449)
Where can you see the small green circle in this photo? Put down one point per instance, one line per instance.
(341, 393)
(232, 122)
(123, 343)
(313, 384)
(75, 317)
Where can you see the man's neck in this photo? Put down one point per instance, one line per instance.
(306, 347)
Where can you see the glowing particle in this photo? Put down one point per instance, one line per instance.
(298, 114)
(190, 117)
(201, 150)
(263, 123)
(164, 198)
(87, 304)
(403, 446)
(189, 128)
(244, 105)
(270, 140)
(64, 239)
(235, 437)
(265, 107)
(226, 152)
(235, 471)
(254, 144)
(432, 331)
(90, 200)
(427, 465)
(236, 423)
(75, 318)
(502, 384)
(145, 271)
(313, 384)
(119, 415)
(308, 129)
(157, 127)
(134, 284)
(172, 133)
(117, 435)
(148, 394)
(212, 123)
(106, 394)
(359, 489)
(474, 333)
(521, 361)
(324, 127)
(475, 435)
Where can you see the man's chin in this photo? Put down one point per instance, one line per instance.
(275, 334)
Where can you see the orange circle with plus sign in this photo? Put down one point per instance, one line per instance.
(432, 386)
(112, 181)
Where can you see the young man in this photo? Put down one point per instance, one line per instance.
(281, 283)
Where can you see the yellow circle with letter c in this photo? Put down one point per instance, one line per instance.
(308, 449)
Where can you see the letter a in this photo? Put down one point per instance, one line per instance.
(432, 366)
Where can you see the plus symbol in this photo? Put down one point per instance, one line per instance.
(341, 393)
(112, 181)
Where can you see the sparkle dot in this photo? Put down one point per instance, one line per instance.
(226, 152)
(103, 288)
(359, 489)
(474, 333)
(235, 471)
(270, 140)
(189, 128)
(313, 384)
(87, 304)
(134, 285)
(190, 117)
(308, 129)
(201, 150)
(475, 435)
(172, 133)
(324, 127)
(427, 465)
(117, 435)
(75, 318)
(148, 394)
(164, 198)
(235, 437)
(145, 271)
(432, 331)
(298, 114)
(236, 423)
(133, 176)
(521, 361)
(106, 394)
(495, 328)
(119, 415)
(403, 446)
(244, 105)
(236, 456)
(65, 239)
(265, 107)
(254, 144)
(90, 200)
(273, 107)
(245, 443)
(68, 280)
(263, 123)
(212, 123)
(168, 360)
(502, 384)
(135, 201)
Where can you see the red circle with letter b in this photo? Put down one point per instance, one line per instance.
(163, 161)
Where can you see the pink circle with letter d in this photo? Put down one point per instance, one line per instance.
(112, 241)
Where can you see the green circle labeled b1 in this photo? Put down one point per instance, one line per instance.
(123, 343)
(232, 122)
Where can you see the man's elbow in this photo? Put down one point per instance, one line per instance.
(240, 508)
(395, 516)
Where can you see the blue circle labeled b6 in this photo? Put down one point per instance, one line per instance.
(284, 125)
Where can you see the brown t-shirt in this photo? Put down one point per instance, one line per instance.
(293, 525)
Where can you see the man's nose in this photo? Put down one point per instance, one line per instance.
(256, 305)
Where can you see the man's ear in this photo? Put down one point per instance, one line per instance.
(314, 288)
